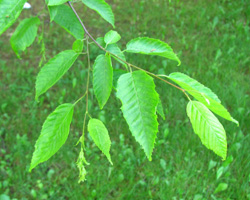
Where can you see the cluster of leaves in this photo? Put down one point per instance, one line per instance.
(135, 89)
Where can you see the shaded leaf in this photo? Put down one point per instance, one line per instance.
(139, 101)
(66, 18)
(52, 71)
(10, 11)
(112, 37)
(102, 8)
(221, 187)
(102, 78)
(208, 128)
(100, 135)
(54, 134)
(150, 46)
(24, 34)
(202, 94)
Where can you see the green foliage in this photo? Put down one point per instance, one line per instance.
(77, 46)
(208, 128)
(160, 110)
(102, 8)
(56, 2)
(100, 135)
(139, 102)
(111, 37)
(66, 18)
(10, 11)
(102, 78)
(24, 34)
(150, 46)
(54, 70)
(202, 94)
(54, 134)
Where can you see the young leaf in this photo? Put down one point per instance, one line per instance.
(112, 37)
(100, 135)
(208, 128)
(10, 11)
(102, 8)
(54, 70)
(202, 94)
(66, 18)
(102, 78)
(159, 109)
(24, 34)
(78, 46)
(150, 46)
(139, 101)
(56, 2)
(54, 134)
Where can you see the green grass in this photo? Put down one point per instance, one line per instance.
(212, 39)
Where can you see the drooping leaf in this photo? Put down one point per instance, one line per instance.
(24, 34)
(202, 94)
(102, 8)
(160, 110)
(100, 135)
(102, 78)
(54, 70)
(78, 46)
(66, 18)
(56, 2)
(208, 128)
(10, 11)
(139, 102)
(116, 75)
(54, 134)
(150, 46)
(112, 37)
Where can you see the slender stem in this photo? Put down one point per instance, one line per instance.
(80, 98)
(129, 64)
(87, 87)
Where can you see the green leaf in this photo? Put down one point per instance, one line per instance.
(100, 135)
(56, 2)
(54, 70)
(139, 101)
(116, 75)
(113, 48)
(54, 134)
(10, 11)
(24, 35)
(208, 128)
(221, 187)
(150, 46)
(202, 94)
(102, 78)
(78, 46)
(159, 109)
(102, 8)
(112, 37)
(65, 17)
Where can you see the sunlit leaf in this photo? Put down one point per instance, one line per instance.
(54, 134)
(56, 2)
(150, 46)
(112, 37)
(78, 46)
(208, 128)
(202, 94)
(65, 17)
(10, 11)
(101, 7)
(100, 135)
(139, 102)
(102, 78)
(52, 71)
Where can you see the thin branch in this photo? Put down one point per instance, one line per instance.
(129, 64)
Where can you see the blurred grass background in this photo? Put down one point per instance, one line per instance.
(212, 39)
